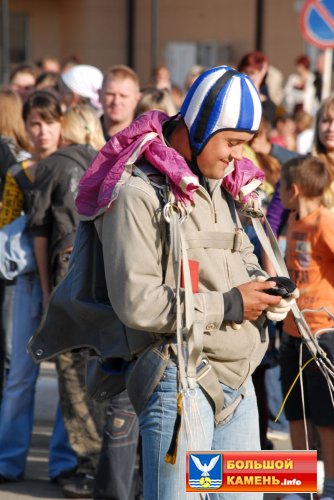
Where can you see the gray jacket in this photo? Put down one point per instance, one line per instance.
(133, 233)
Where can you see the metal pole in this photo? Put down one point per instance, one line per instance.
(259, 25)
(4, 41)
(154, 33)
(327, 74)
(131, 32)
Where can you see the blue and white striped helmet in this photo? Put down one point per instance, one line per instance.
(220, 99)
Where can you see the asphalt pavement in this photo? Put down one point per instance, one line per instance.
(36, 484)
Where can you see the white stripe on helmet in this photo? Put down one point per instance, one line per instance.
(200, 93)
(257, 105)
(230, 111)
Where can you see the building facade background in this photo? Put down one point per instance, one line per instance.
(145, 33)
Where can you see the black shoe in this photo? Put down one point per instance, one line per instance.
(80, 486)
(269, 445)
(65, 475)
(4, 479)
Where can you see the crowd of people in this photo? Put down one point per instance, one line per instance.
(62, 130)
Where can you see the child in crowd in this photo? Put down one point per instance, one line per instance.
(310, 260)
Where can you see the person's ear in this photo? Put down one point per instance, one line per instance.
(61, 142)
(295, 191)
(139, 96)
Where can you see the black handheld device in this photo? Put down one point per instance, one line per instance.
(284, 286)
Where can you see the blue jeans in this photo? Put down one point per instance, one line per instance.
(7, 290)
(17, 408)
(163, 481)
(275, 399)
(116, 477)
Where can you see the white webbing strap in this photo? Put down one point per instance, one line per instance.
(189, 351)
(270, 246)
(176, 255)
(193, 329)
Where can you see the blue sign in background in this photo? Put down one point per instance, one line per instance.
(317, 22)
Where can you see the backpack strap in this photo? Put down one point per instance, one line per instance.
(189, 333)
(210, 385)
(19, 173)
(149, 174)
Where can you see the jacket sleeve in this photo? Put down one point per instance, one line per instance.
(40, 213)
(132, 238)
(52, 200)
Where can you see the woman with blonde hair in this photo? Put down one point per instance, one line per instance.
(11, 121)
(12, 131)
(323, 148)
(81, 125)
(324, 136)
(14, 147)
(158, 99)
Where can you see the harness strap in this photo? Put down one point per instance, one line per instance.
(175, 253)
(210, 384)
(189, 337)
(189, 351)
(226, 412)
(219, 240)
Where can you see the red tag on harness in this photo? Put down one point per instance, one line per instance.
(194, 273)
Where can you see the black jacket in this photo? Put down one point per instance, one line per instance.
(52, 212)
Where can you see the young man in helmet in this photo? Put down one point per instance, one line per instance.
(227, 296)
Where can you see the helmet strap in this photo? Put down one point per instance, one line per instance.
(194, 165)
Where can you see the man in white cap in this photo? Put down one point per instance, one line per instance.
(81, 85)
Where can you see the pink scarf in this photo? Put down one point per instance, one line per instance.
(113, 166)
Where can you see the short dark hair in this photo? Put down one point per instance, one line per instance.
(309, 173)
(46, 103)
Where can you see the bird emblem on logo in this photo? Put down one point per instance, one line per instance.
(205, 468)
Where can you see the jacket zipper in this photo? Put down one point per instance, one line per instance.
(210, 200)
(218, 186)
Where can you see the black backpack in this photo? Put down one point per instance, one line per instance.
(80, 315)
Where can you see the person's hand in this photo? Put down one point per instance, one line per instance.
(255, 300)
(278, 312)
